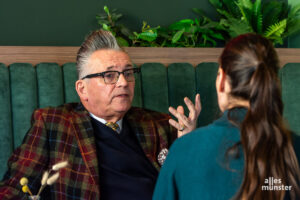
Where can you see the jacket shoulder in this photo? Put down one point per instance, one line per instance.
(142, 114)
(63, 111)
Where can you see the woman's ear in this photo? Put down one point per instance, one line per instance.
(223, 90)
(221, 80)
(81, 89)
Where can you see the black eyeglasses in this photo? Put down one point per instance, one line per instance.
(111, 77)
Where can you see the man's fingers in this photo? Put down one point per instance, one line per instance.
(191, 108)
(198, 105)
(186, 124)
(180, 109)
(175, 124)
(181, 117)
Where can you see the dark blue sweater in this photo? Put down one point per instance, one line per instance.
(125, 171)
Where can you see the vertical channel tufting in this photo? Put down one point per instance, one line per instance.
(50, 84)
(69, 78)
(137, 100)
(6, 142)
(290, 82)
(24, 98)
(181, 83)
(155, 87)
(206, 74)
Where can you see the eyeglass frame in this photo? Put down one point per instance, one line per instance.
(102, 74)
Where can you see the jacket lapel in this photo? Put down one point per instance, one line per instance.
(147, 134)
(86, 142)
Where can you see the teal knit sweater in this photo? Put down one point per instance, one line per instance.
(196, 167)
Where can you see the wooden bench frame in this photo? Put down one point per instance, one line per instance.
(139, 55)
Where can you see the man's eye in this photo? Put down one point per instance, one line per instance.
(109, 75)
(128, 73)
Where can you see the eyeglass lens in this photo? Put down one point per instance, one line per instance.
(112, 77)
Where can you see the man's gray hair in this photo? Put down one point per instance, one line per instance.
(97, 40)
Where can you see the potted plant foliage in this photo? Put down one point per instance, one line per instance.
(199, 32)
(273, 19)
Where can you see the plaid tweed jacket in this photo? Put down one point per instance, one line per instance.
(65, 133)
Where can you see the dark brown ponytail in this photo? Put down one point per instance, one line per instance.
(251, 64)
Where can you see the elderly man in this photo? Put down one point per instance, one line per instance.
(113, 149)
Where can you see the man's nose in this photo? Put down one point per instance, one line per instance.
(122, 81)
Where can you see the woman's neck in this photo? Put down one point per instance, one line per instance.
(233, 102)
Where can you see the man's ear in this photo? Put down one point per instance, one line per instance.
(81, 89)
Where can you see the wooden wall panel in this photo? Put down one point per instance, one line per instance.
(139, 55)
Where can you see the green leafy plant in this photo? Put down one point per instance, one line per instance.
(273, 19)
(147, 36)
(109, 21)
(195, 33)
(201, 32)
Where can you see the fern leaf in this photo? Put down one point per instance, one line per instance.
(237, 27)
(293, 27)
(295, 11)
(276, 29)
(225, 13)
(231, 7)
(246, 8)
(259, 25)
(276, 40)
(257, 18)
(246, 3)
(271, 13)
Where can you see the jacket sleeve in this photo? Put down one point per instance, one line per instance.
(167, 133)
(172, 135)
(29, 160)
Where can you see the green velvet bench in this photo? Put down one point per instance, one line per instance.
(35, 84)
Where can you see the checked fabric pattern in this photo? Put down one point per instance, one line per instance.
(113, 126)
(66, 133)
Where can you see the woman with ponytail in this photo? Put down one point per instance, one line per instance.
(248, 152)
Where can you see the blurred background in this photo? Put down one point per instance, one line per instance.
(67, 22)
